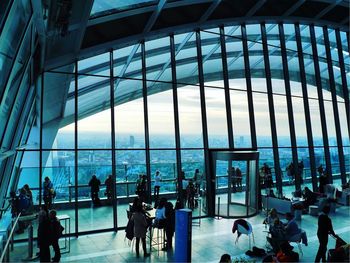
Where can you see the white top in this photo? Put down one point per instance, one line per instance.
(157, 180)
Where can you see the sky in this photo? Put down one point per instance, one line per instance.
(129, 116)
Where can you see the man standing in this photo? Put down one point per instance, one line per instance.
(325, 228)
(56, 233)
(95, 188)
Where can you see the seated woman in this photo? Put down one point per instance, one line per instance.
(272, 216)
(310, 197)
(159, 220)
(277, 235)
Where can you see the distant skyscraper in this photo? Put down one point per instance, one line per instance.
(131, 141)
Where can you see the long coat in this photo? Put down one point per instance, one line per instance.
(140, 224)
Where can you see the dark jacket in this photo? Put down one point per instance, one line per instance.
(325, 226)
(95, 185)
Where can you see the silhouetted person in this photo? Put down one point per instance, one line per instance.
(225, 258)
(325, 228)
(43, 218)
(310, 197)
(169, 225)
(323, 181)
(239, 177)
(95, 188)
(140, 229)
(141, 188)
(48, 192)
(56, 232)
(109, 187)
(197, 179)
(44, 235)
(28, 193)
(157, 183)
(191, 191)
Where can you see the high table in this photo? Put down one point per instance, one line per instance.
(66, 233)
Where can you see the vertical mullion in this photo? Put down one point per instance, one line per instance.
(176, 113)
(41, 136)
(111, 84)
(271, 109)
(289, 106)
(343, 78)
(249, 86)
(321, 104)
(76, 148)
(210, 183)
(306, 108)
(227, 88)
(335, 105)
(145, 112)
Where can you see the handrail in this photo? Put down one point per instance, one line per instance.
(9, 238)
(2, 210)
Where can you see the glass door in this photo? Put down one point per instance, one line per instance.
(234, 174)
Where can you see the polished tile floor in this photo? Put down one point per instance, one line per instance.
(209, 241)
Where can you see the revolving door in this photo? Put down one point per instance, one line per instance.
(235, 174)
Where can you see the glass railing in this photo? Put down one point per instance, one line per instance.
(63, 180)
(127, 175)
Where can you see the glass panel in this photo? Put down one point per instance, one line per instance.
(332, 137)
(211, 58)
(303, 155)
(64, 138)
(14, 83)
(190, 118)
(216, 117)
(164, 161)
(235, 60)
(28, 173)
(10, 38)
(158, 61)
(161, 120)
(240, 119)
(94, 120)
(105, 7)
(316, 122)
(347, 161)
(319, 157)
(335, 163)
(186, 58)
(343, 124)
(97, 65)
(266, 162)
(282, 123)
(288, 175)
(299, 121)
(130, 164)
(262, 120)
(93, 216)
(193, 168)
(16, 113)
(129, 117)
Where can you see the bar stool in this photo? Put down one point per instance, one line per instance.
(157, 238)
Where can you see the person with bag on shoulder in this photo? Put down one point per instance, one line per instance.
(56, 233)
